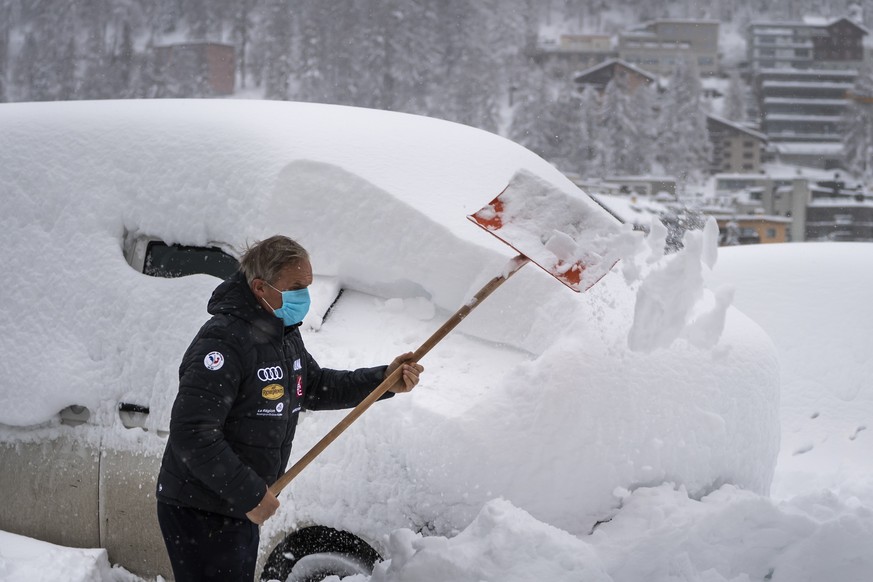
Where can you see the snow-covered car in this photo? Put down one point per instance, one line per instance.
(119, 218)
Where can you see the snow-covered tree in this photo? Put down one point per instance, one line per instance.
(684, 149)
(626, 128)
(531, 112)
(590, 153)
(549, 120)
(277, 65)
(469, 76)
(241, 31)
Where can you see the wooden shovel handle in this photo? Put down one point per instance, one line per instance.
(511, 268)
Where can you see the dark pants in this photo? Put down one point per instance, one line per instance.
(207, 546)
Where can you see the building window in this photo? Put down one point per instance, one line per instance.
(748, 167)
(771, 233)
(748, 144)
(748, 155)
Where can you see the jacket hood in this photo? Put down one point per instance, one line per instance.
(234, 297)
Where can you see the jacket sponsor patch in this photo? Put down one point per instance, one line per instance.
(271, 373)
(297, 364)
(271, 412)
(273, 391)
(213, 361)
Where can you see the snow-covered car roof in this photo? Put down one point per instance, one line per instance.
(550, 399)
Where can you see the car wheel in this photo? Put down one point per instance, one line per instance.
(313, 553)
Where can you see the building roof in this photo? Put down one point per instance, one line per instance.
(613, 62)
(810, 148)
(808, 22)
(723, 215)
(691, 21)
(733, 125)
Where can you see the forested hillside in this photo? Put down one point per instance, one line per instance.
(453, 59)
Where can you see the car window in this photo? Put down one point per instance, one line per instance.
(170, 261)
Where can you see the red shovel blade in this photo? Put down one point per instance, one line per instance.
(566, 235)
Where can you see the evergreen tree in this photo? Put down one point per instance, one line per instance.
(684, 149)
(625, 128)
(198, 15)
(67, 75)
(25, 72)
(531, 123)
(96, 60)
(590, 152)
(278, 67)
(241, 36)
(123, 63)
(469, 79)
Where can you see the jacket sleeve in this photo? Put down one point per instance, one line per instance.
(334, 389)
(207, 391)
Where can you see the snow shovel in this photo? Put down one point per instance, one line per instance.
(566, 234)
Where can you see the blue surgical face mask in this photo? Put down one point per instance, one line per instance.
(295, 306)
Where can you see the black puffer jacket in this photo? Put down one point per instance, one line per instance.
(242, 383)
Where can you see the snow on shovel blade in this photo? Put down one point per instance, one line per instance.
(568, 235)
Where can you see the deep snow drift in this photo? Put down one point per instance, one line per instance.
(823, 532)
(556, 402)
(813, 300)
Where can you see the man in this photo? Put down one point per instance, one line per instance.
(242, 383)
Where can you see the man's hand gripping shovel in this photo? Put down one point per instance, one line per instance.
(561, 232)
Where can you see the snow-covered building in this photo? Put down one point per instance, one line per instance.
(740, 229)
(758, 196)
(811, 43)
(600, 75)
(735, 147)
(657, 45)
(801, 73)
(838, 213)
(803, 109)
(571, 52)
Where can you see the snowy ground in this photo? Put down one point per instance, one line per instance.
(816, 525)
(557, 436)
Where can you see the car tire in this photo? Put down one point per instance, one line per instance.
(315, 552)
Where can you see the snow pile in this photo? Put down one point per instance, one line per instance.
(669, 298)
(548, 399)
(556, 433)
(503, 543)
(27, 560)
(660, 535)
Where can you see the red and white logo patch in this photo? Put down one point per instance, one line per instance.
(299, 385)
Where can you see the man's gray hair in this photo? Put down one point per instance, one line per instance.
(266, 259)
